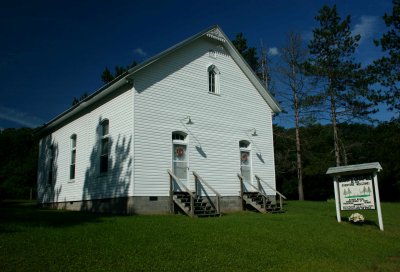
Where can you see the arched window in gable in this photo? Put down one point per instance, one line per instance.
(213, 79)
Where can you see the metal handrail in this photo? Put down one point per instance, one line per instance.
(197, 176)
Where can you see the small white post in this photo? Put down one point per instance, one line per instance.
(378, 201)
(336, 189)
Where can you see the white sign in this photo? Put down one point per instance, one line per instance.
(356, 193)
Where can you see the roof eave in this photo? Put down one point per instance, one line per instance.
(354, 169)
(88, 101)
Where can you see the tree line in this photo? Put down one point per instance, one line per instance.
(320, 82)
(363, 143)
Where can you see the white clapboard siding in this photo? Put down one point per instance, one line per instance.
(88, 184)
(177, 86)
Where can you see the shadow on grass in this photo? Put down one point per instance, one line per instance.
(17, 215)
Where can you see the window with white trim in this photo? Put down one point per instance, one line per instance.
(213, 79)
(104, 146)
(73, 157)
(179, 155)
(51, 165)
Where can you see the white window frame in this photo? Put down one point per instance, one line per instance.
(213, 86)
(105, 135)
(72, 166)
(50, 178)
(184, 142)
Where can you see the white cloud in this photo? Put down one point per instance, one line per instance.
(139, 51)
(20, 118)
(273, 51)
(367, 27)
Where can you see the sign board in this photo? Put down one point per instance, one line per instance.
(356, 188)
(356, 193)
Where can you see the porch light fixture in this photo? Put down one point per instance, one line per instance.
(254, 132)
(189, 122)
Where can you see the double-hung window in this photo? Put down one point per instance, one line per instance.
(104, 146)
(51, 165)
(73, 157)
(213, 79)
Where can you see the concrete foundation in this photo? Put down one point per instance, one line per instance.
(138, 205)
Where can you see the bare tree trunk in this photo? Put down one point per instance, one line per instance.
(335, 130)
(298, 155)
(298, 146)
(344, 152)
(292, 55)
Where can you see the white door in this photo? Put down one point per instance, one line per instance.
(245, 168)
(180, 162)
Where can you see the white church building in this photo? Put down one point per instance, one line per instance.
(190, 130)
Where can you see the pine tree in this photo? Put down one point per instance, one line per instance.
(343, 87)
(248, 53)
(387, 68)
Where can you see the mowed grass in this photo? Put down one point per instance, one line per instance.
(306, 237)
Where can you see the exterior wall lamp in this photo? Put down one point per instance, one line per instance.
(189, 122)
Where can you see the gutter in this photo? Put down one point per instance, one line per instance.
(85, 103)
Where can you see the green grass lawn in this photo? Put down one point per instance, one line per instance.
(306, 237)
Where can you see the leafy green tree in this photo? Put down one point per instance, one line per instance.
(18, 163)
(387, 68)
(364, 143)
(343, 87)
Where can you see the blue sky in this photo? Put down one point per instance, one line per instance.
(52, 51)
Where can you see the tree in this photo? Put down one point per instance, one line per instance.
(248, 53)
(264, 70)
(18, 163)
(343, 87)
(293, 54)
(76, 100)
(107, 76)
(387, 68)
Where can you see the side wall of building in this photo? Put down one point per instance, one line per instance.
(55, 149)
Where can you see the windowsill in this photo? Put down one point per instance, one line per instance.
(217, 94)
(71, 181)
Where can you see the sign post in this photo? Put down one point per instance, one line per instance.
(356, 188)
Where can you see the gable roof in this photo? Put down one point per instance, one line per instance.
(213, 32)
